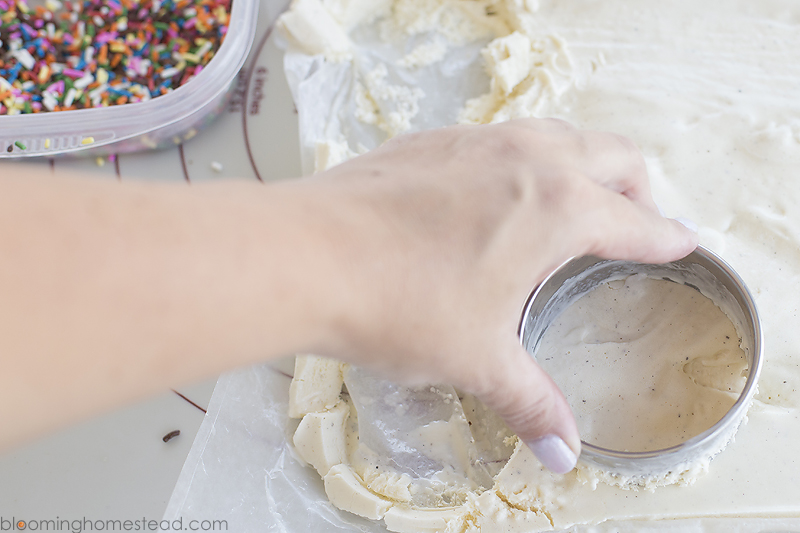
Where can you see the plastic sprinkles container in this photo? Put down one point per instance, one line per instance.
(165, 120)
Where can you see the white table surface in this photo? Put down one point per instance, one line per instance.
(117, 466)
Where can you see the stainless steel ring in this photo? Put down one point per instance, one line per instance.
(703, 270)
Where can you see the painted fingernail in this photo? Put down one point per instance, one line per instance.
(554, 453)
(688, 224)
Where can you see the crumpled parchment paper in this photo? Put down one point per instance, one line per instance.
(242, 468)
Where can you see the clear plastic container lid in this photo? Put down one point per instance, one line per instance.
(163, 121)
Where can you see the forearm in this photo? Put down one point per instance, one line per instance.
(111, 291)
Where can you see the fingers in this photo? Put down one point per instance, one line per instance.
(545, 125)
(625, 230)
(616, 163)
(608, 159)
(625, 222)
(535, 409)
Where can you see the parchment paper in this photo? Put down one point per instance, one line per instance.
(242, 469)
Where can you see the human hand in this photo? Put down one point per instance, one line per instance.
(448, 231)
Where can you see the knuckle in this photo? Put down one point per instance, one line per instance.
(630, 149)
(530, 415)
(405, 139)
(512, 144)
(548, 124)
(525, 400)
(565, 189)
(626, 143)
(581, 144)
(507, 155)
(558, 124)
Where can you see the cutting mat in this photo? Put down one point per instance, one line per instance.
(117, 466)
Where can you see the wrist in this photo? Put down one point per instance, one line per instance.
(329, 254)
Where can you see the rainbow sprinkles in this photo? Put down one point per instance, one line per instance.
(98, 53)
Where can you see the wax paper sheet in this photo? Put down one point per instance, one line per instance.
(242, 467)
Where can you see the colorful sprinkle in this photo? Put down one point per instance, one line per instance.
(76, 54)
(20, 145)
(87, 140)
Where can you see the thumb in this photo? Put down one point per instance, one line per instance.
(535, 409)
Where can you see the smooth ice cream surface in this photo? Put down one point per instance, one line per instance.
(645, 363)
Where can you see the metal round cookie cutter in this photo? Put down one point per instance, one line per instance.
(702, 270)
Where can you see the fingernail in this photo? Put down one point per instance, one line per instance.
(661, 211)
(688, 224)
(554, 453)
